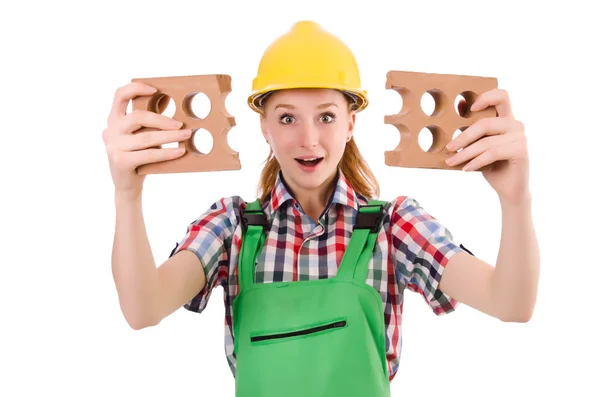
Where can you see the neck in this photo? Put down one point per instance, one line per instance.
(313, 202)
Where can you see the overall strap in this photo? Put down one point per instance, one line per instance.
(355, 262)
(254, 222)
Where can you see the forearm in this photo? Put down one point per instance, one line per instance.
(516, 276)
(133, 267)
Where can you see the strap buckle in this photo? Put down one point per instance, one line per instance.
(254, 218)
(369, 220)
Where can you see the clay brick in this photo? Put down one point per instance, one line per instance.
(444, 120)
(218, 122)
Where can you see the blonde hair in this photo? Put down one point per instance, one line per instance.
(352, 164)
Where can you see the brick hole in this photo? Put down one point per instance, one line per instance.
(392, 136)
(470, 98)
(392, 101)
(162, 104)
(197, 105)
(433, 102)
(431, 139)
(202, 141)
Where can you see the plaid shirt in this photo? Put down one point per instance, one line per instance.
(411, 251)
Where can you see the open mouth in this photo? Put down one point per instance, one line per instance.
(310, 163)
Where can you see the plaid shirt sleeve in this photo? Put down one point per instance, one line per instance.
(209, 237)
(421, 249)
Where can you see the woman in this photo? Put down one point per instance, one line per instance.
(315, 270)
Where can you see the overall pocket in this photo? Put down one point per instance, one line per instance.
(306, 331)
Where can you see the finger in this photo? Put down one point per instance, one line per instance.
(492, 155)
(477, 148)
(151, 139)
(132, 160)
(143, 118)
(487, 126)
(125, 93)
(495, 97)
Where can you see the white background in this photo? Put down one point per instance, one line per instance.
(62, 330)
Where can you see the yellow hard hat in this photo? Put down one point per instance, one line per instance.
(307, 56)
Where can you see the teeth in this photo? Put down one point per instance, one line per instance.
(308, 159)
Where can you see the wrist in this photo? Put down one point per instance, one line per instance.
(521, 201)
(128, 195)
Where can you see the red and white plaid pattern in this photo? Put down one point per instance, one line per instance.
(411, 251)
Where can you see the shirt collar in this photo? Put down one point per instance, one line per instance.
(342, 194)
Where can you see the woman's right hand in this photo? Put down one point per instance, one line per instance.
(127, 150)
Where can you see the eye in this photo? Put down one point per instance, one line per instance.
(328, 117)
(286, 118)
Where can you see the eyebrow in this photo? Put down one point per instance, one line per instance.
(321, 106)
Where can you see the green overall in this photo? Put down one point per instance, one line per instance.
(322, 337)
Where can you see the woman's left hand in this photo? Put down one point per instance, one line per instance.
(498, 142)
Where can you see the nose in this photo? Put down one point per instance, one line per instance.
(309, 135)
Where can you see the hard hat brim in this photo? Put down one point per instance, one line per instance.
(360, 94)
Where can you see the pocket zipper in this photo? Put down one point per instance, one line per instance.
(337, 324)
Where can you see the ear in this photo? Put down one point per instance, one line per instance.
(351, 123)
